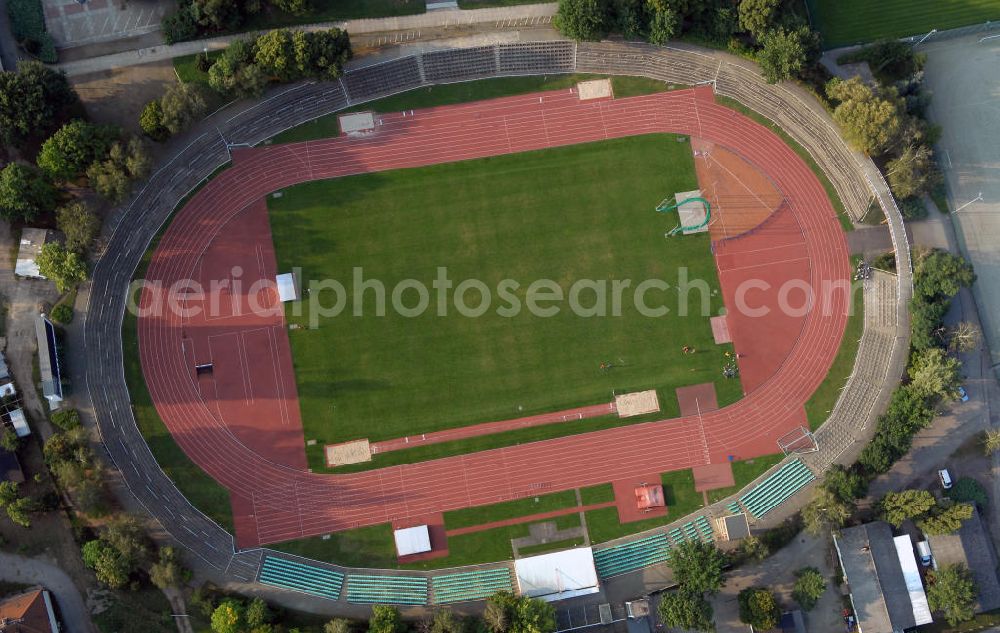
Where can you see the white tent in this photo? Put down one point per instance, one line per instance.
(558, 575)
(288, 290)
(412, 540)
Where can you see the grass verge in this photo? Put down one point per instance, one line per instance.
(480, 515)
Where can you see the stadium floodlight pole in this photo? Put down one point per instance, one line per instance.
(933, 31)
(978, 198)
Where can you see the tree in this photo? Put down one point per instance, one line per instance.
(227, 617)
(507, 613)
(321, 54)
(79, 224)
(257, 613)
(67, 153)
(25, 193)
(684, 610)
(385, 619)
(34, 101)
(782, 55)
(964, 337)
(218, 15)
(757, 16)
(825, 512)
(869, 121)
(698, 567)
(181, 105)
(912, 172)
(295, 7)
(337, 625)
(274, 53)
(947, 520)
(809, 587)
(664, 23)
(443, 621)
(126, 536)
(9, 440)
(168, 570)
(753, 548)
(234, 78)
(845, 483)
(934, 374)
(759, 609)
(151, 121)
(108, 565)
(951, 591)
(581, 19)
(112, 178)
(10, 491)
(906, 504)
(939, 274)
(991, 441)
(64, 267)
(19, 510)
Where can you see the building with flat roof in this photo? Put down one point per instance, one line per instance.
(31, 244)
(883, 578)
(48, 361)
(971, 546)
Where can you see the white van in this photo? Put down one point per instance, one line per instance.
(924, 549)
(945, 478)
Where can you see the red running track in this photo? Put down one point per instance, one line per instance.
(274, 502)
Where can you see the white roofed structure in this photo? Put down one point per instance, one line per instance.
(19, 423)
(31, 244)
(412, 540)
(911, 576)
(288, 290)
(558, 575)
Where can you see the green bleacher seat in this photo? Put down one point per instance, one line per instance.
(290, 574)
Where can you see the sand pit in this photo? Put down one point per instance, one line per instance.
(353, 452)
(630, 404)
(596, 89)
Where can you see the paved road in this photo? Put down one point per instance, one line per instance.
(495, 18)
(20, 569)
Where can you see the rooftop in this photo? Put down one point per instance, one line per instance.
(32, 241)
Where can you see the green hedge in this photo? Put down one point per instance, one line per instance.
(28, 24)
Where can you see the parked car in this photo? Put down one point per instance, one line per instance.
(924, 549)
(963, 394)
(945, 478)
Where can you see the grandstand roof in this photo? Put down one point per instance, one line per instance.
(48, 361)
(558, 575)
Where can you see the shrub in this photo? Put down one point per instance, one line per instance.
(809, 587)
(179, 26)
(66, 419)
(62, 314)
(27, 21)
(151, 121)
(968, 490)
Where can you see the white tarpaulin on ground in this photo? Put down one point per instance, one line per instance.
(558, 575)
(412, 540)
(287, 290)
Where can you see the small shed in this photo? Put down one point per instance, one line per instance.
(288, 288)
(412, 540)
(19, 423)
(31, 244)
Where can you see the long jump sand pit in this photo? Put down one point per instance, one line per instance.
(637, 403)
(347, 453)
(595, 89)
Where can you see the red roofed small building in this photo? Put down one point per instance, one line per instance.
(28, 612)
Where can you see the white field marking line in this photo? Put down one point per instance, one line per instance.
(783, 261)
(740, 181)
(239, 356)
(245, 365)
